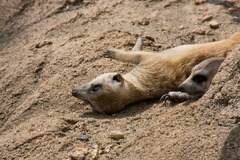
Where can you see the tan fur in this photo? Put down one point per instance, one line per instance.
(154, 75)
(197, 84)
(207, 70)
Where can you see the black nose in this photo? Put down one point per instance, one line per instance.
(74, 92)
(181, 89)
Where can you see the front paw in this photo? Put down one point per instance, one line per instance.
(174, 96)
(164, 98)
(108, 54)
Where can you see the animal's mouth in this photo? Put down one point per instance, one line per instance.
(87, 102)
(78, 95)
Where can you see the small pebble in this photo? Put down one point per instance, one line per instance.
(108, 148)
(71, 119)
(79, 154)
(232, 9)
(202, 31)
(116, 135)
(214, 24)
(181, 27)
(95, 151)
(82, 102)
(144, 22)
(83, 137)
(165, 28)
(218, 96)
(71, 1)
(207, 18)
(200, 1)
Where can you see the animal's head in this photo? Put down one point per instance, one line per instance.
(104, 93)
(201, 77)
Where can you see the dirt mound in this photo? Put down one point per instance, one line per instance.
(49, 47)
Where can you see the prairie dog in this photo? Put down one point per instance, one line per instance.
(153, 76)
(197, 84)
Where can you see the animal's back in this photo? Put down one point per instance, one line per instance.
(159, 73)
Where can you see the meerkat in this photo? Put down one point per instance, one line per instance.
(197, 84)
(153, 76)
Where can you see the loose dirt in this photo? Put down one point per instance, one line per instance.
(47, 48)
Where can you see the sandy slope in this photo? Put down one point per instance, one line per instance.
(48, 48)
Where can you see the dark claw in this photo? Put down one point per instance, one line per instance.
(164, 98)
(108, 54)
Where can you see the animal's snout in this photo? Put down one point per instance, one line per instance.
(74, 92)
(181, 88)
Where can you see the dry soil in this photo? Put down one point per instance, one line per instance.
(47, 48)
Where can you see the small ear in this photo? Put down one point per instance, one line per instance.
(118, 78)
(213, 64)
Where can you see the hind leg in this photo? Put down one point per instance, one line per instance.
(123, 56)
(138, 45)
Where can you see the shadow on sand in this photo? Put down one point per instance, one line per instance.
(231, 148)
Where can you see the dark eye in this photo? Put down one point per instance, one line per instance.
(118, 78)
(95, 88)
(199, 78)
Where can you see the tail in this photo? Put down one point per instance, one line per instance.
(236, 38)
(200, 52)
(216, 49)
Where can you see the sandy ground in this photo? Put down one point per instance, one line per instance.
(47, 48)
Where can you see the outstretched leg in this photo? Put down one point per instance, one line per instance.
(124, 56)
(138, 45)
